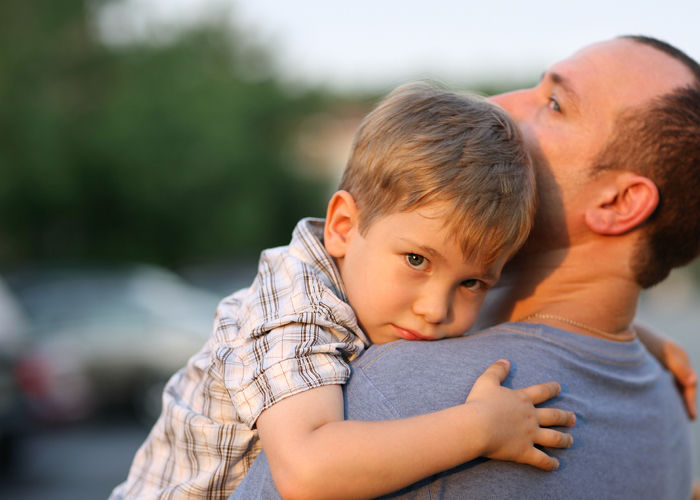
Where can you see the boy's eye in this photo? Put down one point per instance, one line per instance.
(473, 285)
(417, 261)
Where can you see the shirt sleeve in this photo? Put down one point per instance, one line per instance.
(291, 331)
(286, 360)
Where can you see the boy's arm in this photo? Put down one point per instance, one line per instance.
(675, 358)
(313, 453)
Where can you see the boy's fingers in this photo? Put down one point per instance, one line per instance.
(689, 394)
(542, 392)
(540, 459)
(549, 417)
(688, 386)
(499, 370)
(554, 439)
(678, 362)
(696, 489)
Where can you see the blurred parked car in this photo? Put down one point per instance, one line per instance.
(105, 338)
(13, 331)
(222, 277)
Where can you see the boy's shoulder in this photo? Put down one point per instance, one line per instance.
(303, 266)
(298, 283)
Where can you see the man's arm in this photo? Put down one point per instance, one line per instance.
(313, 453)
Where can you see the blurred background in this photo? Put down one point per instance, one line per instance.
(150, 149)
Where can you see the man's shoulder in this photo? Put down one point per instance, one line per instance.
(646, 440)
(466, 354)
(424, 376)
(428, 376)
(476, 351)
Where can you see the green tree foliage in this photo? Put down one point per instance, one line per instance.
(164, 154)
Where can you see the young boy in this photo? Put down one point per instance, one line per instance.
(437, 194)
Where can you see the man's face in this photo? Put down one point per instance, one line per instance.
(570, 115)
(407, 278)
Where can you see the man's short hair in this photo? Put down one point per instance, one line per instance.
(423, 144)
(661, 141)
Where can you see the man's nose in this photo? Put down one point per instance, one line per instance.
(516, 103)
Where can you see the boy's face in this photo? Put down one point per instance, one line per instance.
(407, 279)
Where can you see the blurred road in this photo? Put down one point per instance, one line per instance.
(80, 462)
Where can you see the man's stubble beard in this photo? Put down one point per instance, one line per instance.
(549, 227)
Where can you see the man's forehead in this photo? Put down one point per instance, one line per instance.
(621, 71)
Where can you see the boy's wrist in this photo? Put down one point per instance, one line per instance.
(474, 430)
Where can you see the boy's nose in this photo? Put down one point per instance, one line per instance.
(433, 307)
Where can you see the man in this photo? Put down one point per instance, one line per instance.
(614, 132)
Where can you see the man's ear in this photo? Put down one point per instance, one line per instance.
(624, 204)
(341, 223)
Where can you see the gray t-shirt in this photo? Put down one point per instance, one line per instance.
(631, 440)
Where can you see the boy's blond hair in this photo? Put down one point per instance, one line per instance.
(422, 145)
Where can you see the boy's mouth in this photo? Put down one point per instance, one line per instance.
(409, 334)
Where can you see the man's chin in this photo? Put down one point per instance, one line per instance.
(544, 238)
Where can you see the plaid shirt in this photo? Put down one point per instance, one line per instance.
(292, 330)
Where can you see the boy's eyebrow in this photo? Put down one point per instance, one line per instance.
(428, 251)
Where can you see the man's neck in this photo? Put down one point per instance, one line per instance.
(574, 283)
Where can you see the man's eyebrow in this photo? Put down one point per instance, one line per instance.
(565, 84)
(560, 80)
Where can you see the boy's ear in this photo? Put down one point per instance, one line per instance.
(341, 223)
(624, 204)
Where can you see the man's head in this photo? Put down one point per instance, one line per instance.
(661, 140)
(626, 106)
(423, 145)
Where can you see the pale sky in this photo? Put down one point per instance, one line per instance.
(379, 43)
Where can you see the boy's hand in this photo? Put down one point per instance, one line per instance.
(675, 359)
(514, 422)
